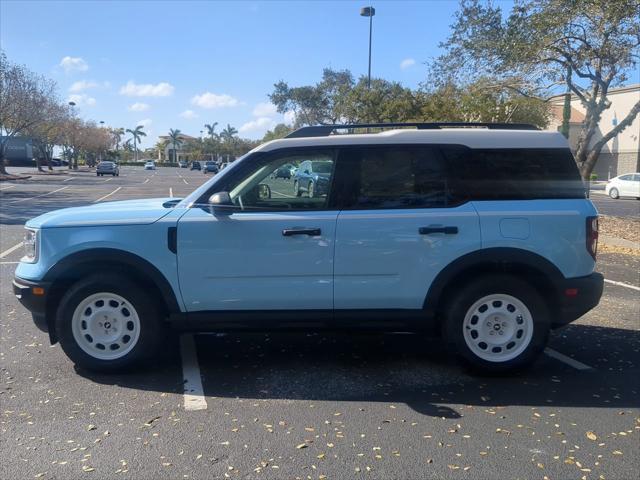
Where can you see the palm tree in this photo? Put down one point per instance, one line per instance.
(211, 129)
(174, 135)
(137, 134)
(228, 133)
(117, 136)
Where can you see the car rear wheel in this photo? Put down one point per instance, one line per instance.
(497, 324)
(296, 188)
(613, 193)
(311, 190)
(106, 323)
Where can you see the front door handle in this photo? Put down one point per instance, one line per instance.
(312, 232)
(446, 230)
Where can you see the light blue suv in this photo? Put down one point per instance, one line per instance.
(480, 234)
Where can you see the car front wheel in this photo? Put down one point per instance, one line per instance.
(613, 193)
(106, 323)
(497, 324)
(296, 188)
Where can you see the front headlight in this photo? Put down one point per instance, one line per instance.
(30, 246)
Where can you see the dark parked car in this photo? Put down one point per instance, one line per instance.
(210, 166)
(196, 166)
(312, 178)
(283, 172)
(107, 168)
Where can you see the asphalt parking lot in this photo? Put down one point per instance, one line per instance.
(310, 406)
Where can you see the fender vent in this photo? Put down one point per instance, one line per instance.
(172, 239)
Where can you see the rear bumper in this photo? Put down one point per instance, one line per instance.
(578, 296)
(36, 304)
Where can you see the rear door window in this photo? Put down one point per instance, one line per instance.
(389, 177)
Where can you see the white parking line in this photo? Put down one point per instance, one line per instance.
(38, 196)
(171, 192)
(7, 187)
(107, 195)
(193, 391)
(9, 263)
(622, 284)
(185, 181)
(10, 250)
(67, 179)
(568, 360)
(146, 181)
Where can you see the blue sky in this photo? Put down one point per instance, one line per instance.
(169, 64)
(180, 64)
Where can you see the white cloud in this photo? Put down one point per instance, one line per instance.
(74, 64)
(189, 114)
(132, 89)
(264, 109)
(212, 100)
(290, 117)
(82, 85)
(82, 100)
(261, 124)
(406, 63)
(138, 107)
(144, 122)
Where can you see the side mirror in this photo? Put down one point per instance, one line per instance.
(220, 204)
(264, 191)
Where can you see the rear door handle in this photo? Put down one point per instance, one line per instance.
(446, 230)
(312, 232)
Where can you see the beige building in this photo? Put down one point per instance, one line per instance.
(168, 155)
(622, 153)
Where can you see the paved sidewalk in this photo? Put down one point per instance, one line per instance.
(618, 242)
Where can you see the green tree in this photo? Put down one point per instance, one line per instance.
(25, 99)
(587, 45)
(117, 133)
(136, 135)
(228, 134)
(176, 141)
(322, 103)
(384, 102)
(279, 131)
(211, 129)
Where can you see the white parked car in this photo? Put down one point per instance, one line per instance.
(627, 185)
(150, 165)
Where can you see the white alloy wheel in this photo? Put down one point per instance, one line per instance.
(498, 328)
(105, 326)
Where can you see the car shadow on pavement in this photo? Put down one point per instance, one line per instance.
(402, 368)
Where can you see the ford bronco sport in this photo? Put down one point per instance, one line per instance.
(478, 232)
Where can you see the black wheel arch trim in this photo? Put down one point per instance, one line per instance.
(498, 259)
(116, 257)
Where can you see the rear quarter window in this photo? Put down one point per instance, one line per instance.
(516, 174)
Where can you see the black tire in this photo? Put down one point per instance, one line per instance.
(296, 188)
(152, 328)
(613, 193)
(466, 295)
(311, 191)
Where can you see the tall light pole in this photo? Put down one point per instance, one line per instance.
(73, 111)
(369, 12)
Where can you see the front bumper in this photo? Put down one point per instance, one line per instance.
(578, 296)
(33, 296)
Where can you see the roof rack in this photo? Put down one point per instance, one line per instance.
(326, 130)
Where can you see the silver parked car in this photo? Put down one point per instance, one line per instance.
(107, 168)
